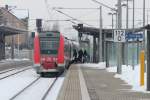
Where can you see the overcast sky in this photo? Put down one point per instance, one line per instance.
(41, 9)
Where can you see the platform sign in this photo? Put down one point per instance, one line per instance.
(138, 36)
(119, 36)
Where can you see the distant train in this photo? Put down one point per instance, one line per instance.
(52, 52)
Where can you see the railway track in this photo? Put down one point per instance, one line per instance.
(11, 69)
(49, 89)
(21, 66)
(11, 65)
(12, 98)
(14, 73)
(8, 70)
(30, 85)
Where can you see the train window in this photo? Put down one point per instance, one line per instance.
(49, 45)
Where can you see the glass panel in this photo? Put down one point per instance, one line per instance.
(131, 53)
(49, 45)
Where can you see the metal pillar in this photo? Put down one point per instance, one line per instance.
(144, 13)
(127, 24)
(112, 21)
(103, 47)
(133, 33)
(137, 47)
(138, 44)
(94, 48)
(107, 54)
(123, 53)
(100, 36)
(147, 15)
(119, 45)
(116, 20)
(148, 59)
(12, 48)
(143, 47)
(2, 46)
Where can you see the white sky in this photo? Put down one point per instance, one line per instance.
(38, 9)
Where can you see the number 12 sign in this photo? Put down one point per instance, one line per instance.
(119, 36)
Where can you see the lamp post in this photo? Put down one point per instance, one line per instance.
(112, 47)
(127, 13)
(147, 16)
(112, 14)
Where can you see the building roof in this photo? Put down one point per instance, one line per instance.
(10, 29)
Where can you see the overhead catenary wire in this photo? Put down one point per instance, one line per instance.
(104, 5)
(47, 7)
(75, 8)
(72, 18)
(91, 9)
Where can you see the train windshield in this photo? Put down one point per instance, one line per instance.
(49, 45)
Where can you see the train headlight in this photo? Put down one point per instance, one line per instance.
(54, 59)
(43, 59)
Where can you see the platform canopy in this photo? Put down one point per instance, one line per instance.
(8, 30)
(95, 31)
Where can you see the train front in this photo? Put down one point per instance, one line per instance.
(49, 50)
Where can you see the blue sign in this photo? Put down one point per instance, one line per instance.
(134, 36)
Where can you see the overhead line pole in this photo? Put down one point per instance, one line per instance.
(100, 36)
(127, 24)
(119, 45)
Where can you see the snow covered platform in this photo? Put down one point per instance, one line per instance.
(84, 82)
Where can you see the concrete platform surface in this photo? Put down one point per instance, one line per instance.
(83, 83)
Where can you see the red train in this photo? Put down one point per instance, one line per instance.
(52, 52)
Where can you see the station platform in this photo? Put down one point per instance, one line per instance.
(83, 83)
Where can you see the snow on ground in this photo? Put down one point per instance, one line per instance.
(23, 59)
(12, 60)
(92, 65)
(37, 90)
(130, 76)
(12, 72)
(3, 71)
(13, 84)
(53, 94)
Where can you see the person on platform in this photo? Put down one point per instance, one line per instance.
(74, 56)
(80, 55)
(85, 56)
